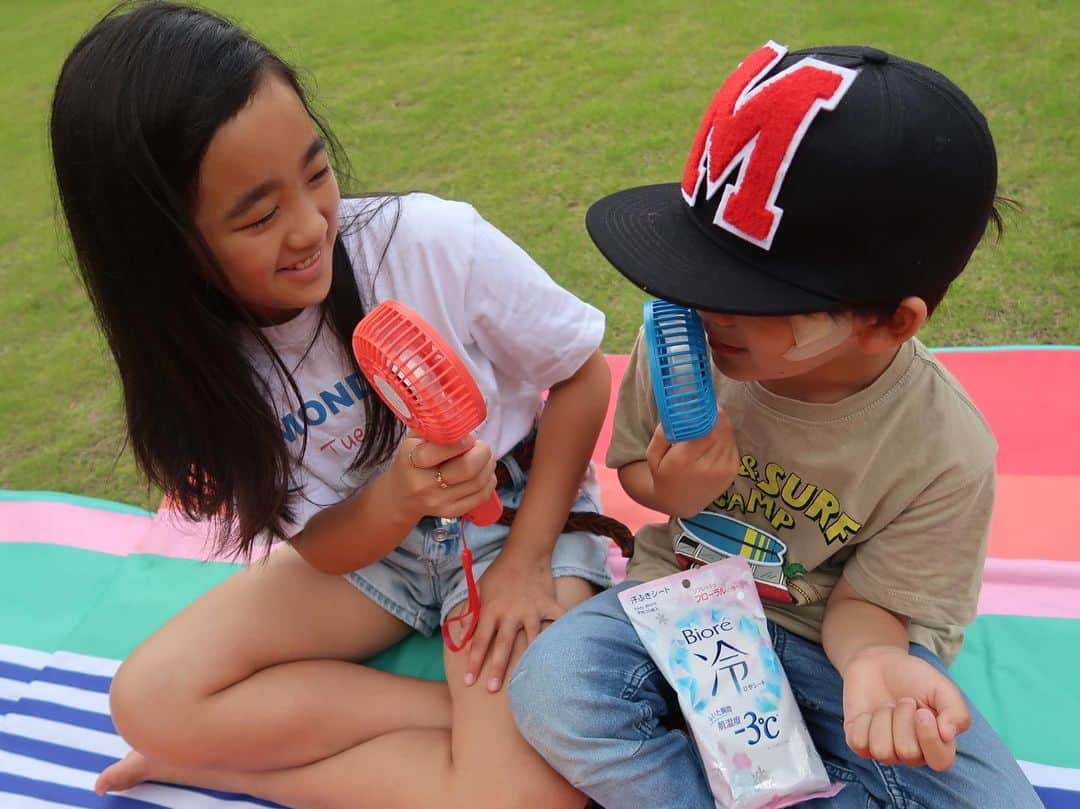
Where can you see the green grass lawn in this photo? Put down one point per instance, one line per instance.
(529, 110)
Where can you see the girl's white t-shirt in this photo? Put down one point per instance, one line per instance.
(516, 330)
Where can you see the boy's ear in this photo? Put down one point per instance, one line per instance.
(884, 333)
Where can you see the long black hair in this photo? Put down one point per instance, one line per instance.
(136, 104)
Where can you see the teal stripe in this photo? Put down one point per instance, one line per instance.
(10, 495)
(58, 597)
(94, 603)
(1020, 672)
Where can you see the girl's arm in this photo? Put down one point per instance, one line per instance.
(518, 591)
(567, 432)
(366, 526)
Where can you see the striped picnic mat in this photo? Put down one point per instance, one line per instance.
(83, 581)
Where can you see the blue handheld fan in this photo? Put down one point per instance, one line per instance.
(681, 373)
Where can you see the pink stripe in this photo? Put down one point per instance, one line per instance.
(1010, 586)
(172, 535)
(1031, 587)
(93, 529)
(75, 526)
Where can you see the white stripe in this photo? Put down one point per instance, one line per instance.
(84, 664)
(1044, 775)
(46, 730)
(12, 801)
(20, 656)
(46, 771)
(81, 779)
(67, 696)
(11, 689)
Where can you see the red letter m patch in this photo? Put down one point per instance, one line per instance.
(758, 127)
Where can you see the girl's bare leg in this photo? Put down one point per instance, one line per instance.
(256, 675)
(481, 764)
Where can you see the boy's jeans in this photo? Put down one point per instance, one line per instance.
(589, 698)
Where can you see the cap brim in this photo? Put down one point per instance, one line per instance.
(648, 235)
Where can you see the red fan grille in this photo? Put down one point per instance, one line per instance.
(417, 374)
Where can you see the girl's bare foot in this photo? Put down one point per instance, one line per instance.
(130, 771)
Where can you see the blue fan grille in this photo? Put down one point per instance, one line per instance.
(681, 373)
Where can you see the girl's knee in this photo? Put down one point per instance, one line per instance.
(154, 715)
(140, 711)
(527, 788)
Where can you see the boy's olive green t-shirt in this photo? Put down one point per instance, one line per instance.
(892, 487)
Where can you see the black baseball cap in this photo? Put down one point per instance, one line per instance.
(819, 180)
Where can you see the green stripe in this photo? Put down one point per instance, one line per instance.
(12, 495)
(93, 603)
(47, 590)
(57, 597)
(1020, 672)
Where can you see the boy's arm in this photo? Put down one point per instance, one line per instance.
(898, 709)
(681, 479)
(853, 625)
(675, 479)
(924, 567)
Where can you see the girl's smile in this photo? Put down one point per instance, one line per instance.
(307, 264)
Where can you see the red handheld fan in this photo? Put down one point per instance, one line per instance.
(427, 385)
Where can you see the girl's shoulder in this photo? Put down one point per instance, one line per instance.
(403, 244)
(411, 217)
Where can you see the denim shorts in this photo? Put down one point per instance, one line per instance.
(421, 580)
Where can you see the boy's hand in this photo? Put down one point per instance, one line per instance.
(898, 709)
(517, 594)
(689, 475)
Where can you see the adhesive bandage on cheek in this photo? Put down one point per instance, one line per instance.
(817, 333)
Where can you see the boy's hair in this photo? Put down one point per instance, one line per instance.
(135, 106)
(834, 178)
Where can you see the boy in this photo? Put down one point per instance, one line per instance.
(830, 198)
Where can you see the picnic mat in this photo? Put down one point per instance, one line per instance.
(83, 581)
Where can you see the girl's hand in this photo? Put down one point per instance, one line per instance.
(442, 480)
(898, 709)
(690, 474)
(517, 594)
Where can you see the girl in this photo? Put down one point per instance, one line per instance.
(227, 273)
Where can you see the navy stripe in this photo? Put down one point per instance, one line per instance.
(65, 714)
(10, 671)
(58, 793)
(229, 796)
(1054, 798)
(54, 753)
(233, 796)
(75, 679)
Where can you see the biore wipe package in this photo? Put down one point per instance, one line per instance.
(706, 631)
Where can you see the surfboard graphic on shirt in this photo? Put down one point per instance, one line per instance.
(709, 537)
